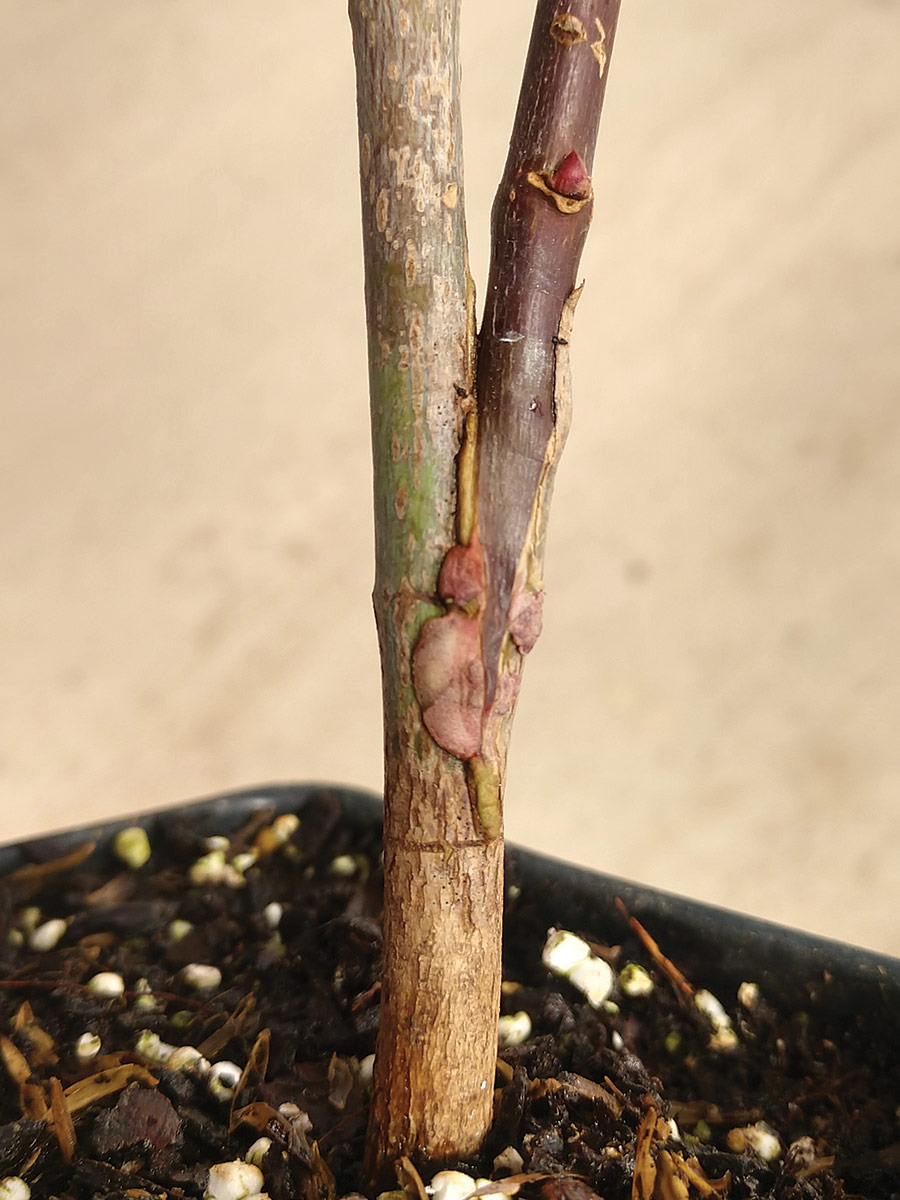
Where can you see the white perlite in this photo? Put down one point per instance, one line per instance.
(189, 1059)
(712, 1009)
(213, 868)
(456, 1185)
(223, 1078)
(46, 936)
(87, 1046)
(723, 1036)
(451, 1185)
(132, 846)
(563, 951)
(570, 956)
(13, 1187)
(107, 984)
(29, 918)
(344, 866)
(594, 978)
(201, 977)
(748, 995)
(258, 1151)
(513, 1030)
(151, 1046)
(760, 1138)
(244, 861)
(236, 1180)
(366, 1071)
(634, 980)
(145, 1001)
(723, 1039)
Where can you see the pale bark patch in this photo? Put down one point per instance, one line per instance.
(598, 48)
(565, 204)
(401, 502)
(566, 29)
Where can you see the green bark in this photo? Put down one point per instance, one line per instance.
(443, 880)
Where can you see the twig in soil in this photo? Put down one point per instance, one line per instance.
(256, 1066)
(106, 1083)
(817, 1165)
(572, 1085)
(32, 876)
(661, 1174)
(41, 1046)
(63, 1126)
(644, 1180)
(690, 1173)
(232, 1026)
(410, 1179)
(248, 831)
(689, 1112)
(32, 1101)
(683, 989)
(365, 998)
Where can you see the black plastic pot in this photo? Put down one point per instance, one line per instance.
(723, 948)
(850, 996)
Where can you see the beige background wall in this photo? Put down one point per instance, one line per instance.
(185, 555)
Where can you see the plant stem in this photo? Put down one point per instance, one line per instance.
(461, 500)
(540, 220)
(443, 880)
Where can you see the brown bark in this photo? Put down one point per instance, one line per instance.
(540, 220)
(437, 1036)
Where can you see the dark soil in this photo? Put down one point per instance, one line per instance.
(587, 1100)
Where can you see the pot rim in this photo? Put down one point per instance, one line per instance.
(791, 966)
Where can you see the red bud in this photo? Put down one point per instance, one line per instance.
(571, 178)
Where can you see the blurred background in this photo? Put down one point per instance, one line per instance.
(186, 550)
